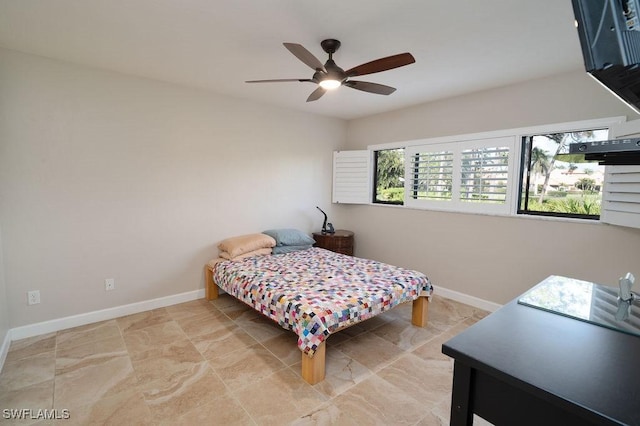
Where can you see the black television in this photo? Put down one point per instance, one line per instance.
(609, 32)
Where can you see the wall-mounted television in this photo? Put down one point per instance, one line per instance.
(609, 32)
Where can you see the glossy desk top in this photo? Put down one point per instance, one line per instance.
(585, 301)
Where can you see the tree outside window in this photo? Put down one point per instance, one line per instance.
(389, 175)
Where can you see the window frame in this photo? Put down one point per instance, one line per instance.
(515, 164)
(521, 185)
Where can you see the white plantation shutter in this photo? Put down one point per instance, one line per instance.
(432, 175)
(621, 196)
(621, 192)
(352, 177)
(472, 175)
(484, 174)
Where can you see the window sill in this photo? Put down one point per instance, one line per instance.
(510, 216)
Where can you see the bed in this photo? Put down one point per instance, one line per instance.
(316, 292)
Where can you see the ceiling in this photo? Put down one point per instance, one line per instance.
(459, 46)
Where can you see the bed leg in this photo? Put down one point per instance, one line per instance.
(313, 367)
(420, 311)
(210, 288)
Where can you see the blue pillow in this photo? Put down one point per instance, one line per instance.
(289, 237)
(289, 249)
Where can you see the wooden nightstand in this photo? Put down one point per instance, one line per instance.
(340, 242)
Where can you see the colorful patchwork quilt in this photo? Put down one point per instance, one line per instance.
(316, 292)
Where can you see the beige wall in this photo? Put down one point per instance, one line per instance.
(490, 257)
(557, 99)
(104, 175)
(4, 307)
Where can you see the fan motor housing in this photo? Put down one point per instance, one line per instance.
(330, 45)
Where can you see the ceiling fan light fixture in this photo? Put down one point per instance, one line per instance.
(330, 84)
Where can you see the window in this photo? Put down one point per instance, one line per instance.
(506, 172)
(470, 175)
(389, 176)
(554, 183)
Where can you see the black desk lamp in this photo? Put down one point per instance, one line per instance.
(327, 228)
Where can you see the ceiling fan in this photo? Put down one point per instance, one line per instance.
(330, 76)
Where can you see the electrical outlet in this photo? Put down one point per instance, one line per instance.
(33, 297)
(109, 284)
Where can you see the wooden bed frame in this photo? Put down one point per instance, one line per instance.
(313, 367)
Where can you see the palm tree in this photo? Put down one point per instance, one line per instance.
(539, 165)
(560, 139)
(586, 184)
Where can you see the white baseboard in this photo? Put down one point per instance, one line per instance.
(101, 315)
(466, 299)
(4, 349)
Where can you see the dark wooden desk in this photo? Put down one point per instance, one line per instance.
(524, 366)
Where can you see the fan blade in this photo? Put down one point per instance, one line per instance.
(365, 86)
(279, 80)
(316, 94)
(382, 64)
(305, 56)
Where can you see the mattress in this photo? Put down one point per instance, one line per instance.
(316, 292)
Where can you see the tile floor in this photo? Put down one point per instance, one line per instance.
(222, 363)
